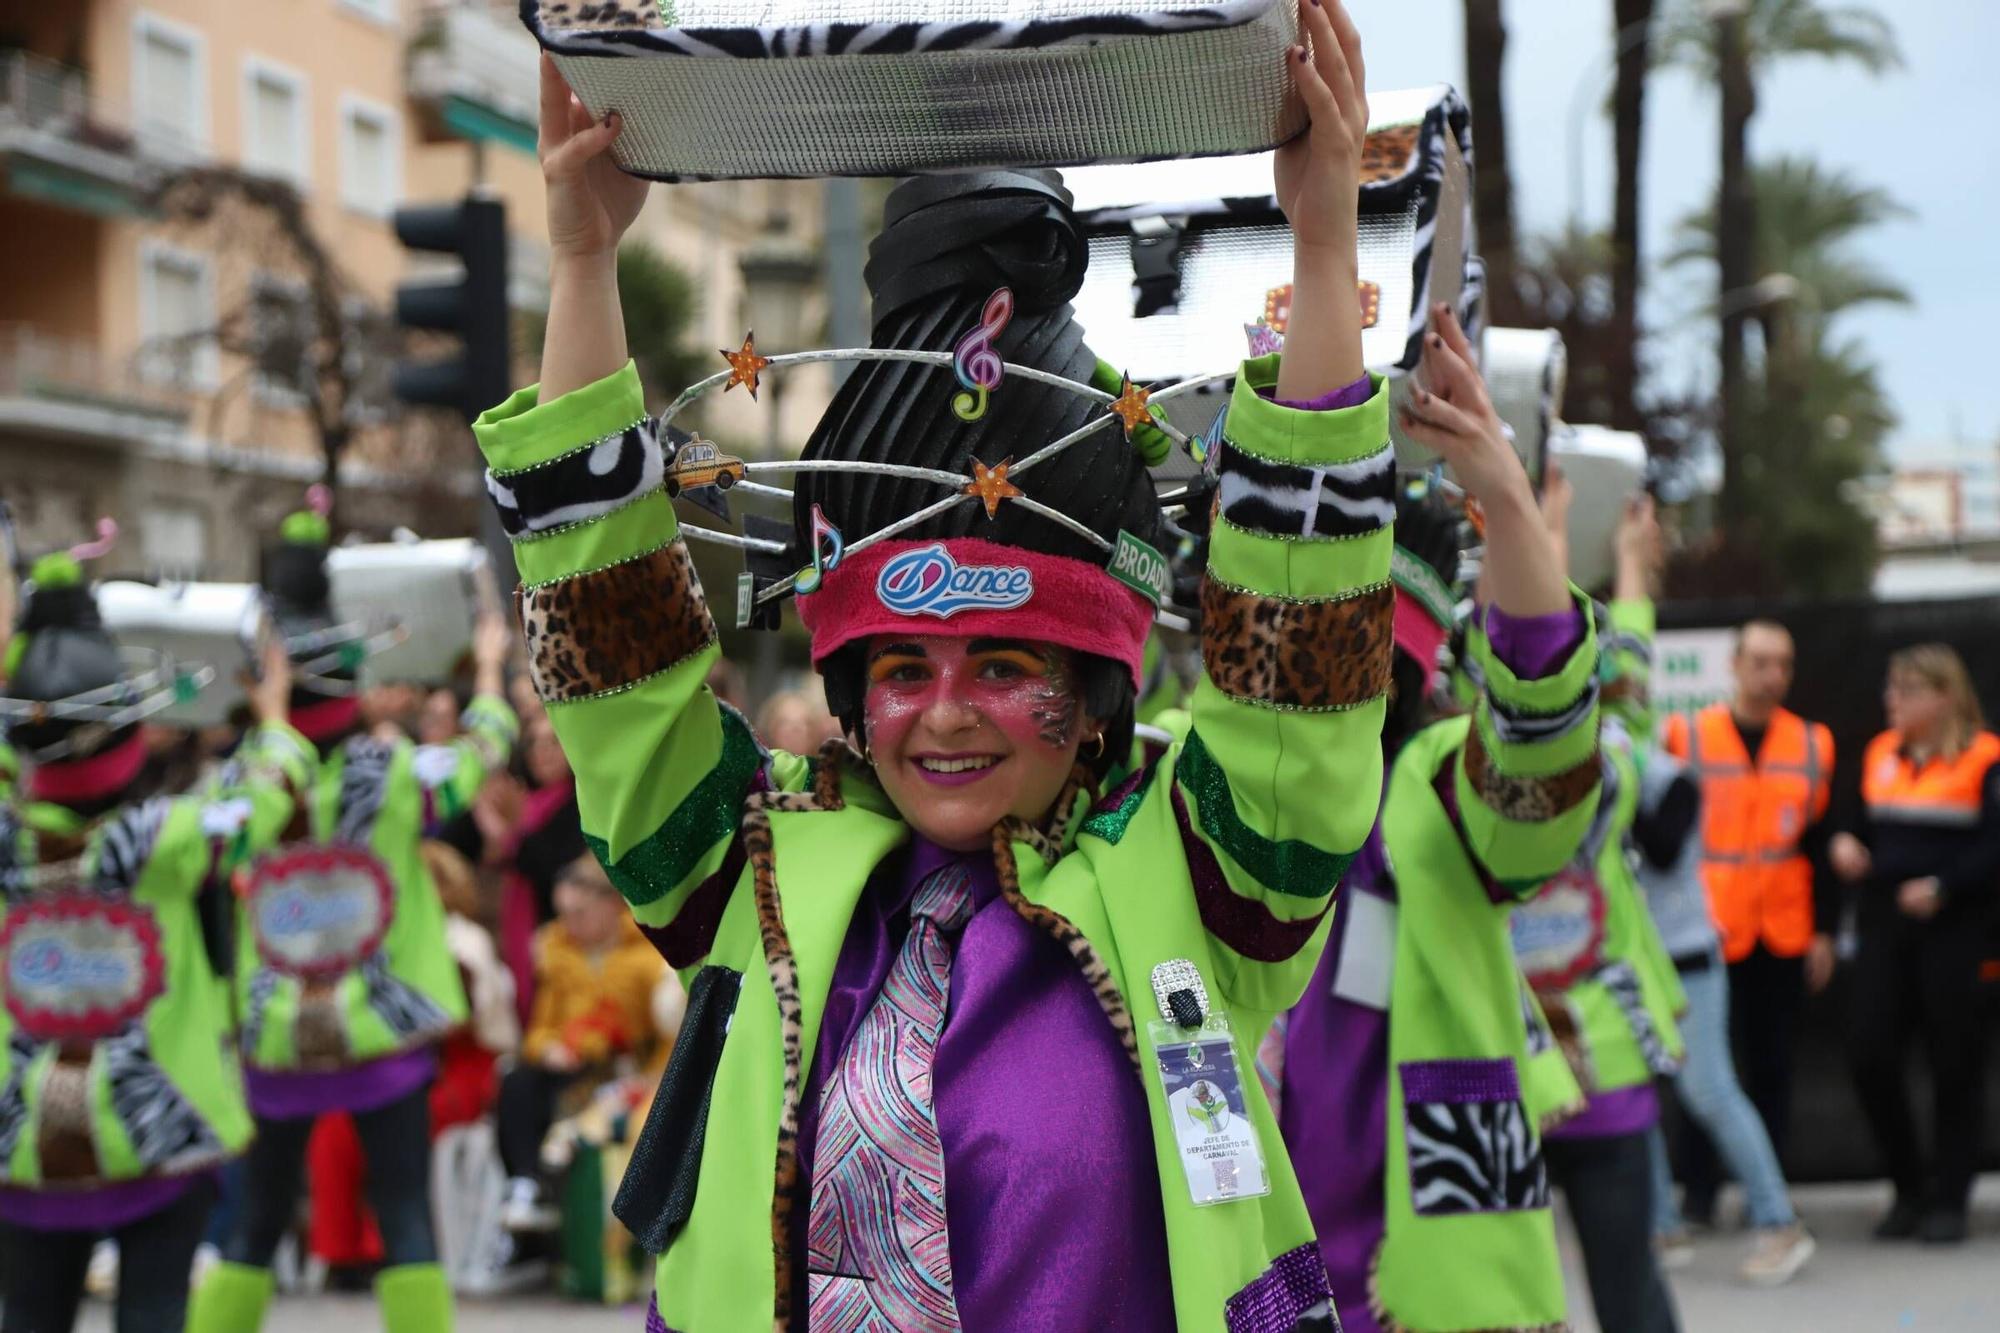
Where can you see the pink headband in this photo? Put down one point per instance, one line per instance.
(328, 717)
(1418, 633)
(103, 774)
(969, 588)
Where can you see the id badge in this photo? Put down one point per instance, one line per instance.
(1205, 1098)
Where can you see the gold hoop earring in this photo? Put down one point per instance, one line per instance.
(1099, 752)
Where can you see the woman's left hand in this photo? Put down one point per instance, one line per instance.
(1920, 898)
(1318, 174)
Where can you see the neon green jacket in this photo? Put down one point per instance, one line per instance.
(341, 955)
(754, 864)
(1617, 993)
(115, 1061)
(1469, 1240)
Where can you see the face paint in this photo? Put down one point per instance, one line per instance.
(964, 732)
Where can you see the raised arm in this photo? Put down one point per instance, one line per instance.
(619, 637)
(451, 774)
(1280, 774)
(1526, 781)
(1628, 644)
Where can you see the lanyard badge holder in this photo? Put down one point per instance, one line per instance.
(1196, 1061)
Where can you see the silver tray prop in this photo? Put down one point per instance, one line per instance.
(224, 625)
(1187, 259)
(1607, 468)
(153, 683)
(714, 89)
(432, 592)
(1527, 373)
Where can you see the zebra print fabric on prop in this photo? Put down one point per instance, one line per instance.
(845, 88)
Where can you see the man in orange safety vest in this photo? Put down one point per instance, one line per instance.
(1766, 777)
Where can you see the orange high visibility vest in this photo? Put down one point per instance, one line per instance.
(1944, 793)
(1753, 814)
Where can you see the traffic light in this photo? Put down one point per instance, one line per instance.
(473, 306)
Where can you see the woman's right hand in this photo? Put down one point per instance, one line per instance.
(591, 203)
(1849, 857)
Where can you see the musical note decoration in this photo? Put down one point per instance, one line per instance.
(978, 367)
(744, 364)
(990, 485)
(827, 549)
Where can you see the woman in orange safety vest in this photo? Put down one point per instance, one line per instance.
(1927, 863)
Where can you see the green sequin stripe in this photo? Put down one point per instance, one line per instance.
(1110, 825)
(662, 861)
(1274, 864)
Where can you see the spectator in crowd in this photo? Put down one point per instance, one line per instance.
(595, 974)
(1766, 776)
(1926, 862)
(796, 721)
(389, 708)
(437, 721)
(528, 831)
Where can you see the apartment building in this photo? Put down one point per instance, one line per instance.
(110, 400)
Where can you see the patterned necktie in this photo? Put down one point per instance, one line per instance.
(877, 1251)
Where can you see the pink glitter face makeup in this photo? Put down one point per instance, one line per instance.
(966, 731)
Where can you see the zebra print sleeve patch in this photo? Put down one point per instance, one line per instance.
(1472, 1148)
(1337, 501)
(582, 485)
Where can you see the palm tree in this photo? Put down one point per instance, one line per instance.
(1633, 22)
(1735, 42)
(1812, 423)
(1492, 186)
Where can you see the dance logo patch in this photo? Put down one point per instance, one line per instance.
(317, 912)
(1558, 935)
(78, 967)
(928, 582)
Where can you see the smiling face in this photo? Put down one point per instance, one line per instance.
(964, 732)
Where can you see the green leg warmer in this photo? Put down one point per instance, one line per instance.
(414, 1298)
(231, 1299)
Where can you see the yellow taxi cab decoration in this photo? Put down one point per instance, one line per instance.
(699, 463)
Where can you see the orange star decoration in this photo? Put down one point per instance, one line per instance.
(1130, 406)
(991, 486)
(745, 365)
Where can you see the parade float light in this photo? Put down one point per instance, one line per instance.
(1187, 259)
(894, 87)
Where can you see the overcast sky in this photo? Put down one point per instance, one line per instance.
(1925, 133)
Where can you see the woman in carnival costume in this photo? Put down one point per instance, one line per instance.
(119, 1092)
(825, 1146)
(344, 981)
(1417, 1073)
(1589, 948)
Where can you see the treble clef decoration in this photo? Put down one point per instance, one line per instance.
(980, 368)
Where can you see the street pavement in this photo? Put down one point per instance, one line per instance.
(1853, 1286)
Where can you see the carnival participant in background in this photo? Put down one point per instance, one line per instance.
(1596, 964)
(1766, 777)
(1926, 867)
(1409, 1105)
(1057, 1143)
(1666, 835)
(344, 980)
(119, 1092)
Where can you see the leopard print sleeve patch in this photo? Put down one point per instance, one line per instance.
(609, 629)
(1313, 656)
(1528, 800)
